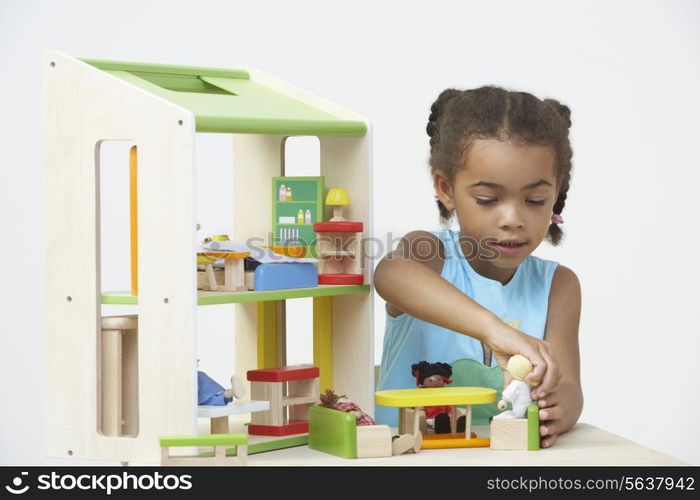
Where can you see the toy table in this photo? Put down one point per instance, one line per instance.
(435, 396)
(233, 271)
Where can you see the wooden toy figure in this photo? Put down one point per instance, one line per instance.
(518, 392)
(210, 393)
(329, 399)
(436, 375)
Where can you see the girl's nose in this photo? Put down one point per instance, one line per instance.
(511, 217)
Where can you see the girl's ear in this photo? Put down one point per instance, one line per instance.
(443, 190)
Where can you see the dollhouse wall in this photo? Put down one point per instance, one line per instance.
(84, 106)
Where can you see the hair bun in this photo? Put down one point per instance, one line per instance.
(437, 109)
(561, 109)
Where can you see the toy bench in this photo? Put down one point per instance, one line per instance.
(218, 441)
(337, 433)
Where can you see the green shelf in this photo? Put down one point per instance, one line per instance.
(309, 195)
(263, 446)
(214, 298)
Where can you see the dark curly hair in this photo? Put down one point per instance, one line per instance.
(459, 117)
(424, 370)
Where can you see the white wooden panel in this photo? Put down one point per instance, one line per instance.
(256, 160)
(84, 106)
(347, 162)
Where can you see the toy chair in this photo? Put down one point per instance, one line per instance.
(302, 389)
(407, 418)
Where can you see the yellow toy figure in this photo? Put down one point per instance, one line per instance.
(518, 392)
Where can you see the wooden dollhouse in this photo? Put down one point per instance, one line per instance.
(161, 108)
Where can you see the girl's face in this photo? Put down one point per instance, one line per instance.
(505, 193)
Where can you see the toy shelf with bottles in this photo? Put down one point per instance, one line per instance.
(160, 108)
(299, 200)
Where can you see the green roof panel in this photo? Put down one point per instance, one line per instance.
(227, 100)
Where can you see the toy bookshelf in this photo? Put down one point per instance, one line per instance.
(303, 210)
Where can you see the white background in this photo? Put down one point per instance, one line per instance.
(628, 70)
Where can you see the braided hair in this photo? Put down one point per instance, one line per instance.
(460, 117)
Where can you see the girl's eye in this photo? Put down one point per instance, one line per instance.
(489, 201)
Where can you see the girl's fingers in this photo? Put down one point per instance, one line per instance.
(539, 367)
(549, 414)
(549, 427)
(549, 399)
(548, 442)
(551, 377)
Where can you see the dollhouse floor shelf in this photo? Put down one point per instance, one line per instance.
(232, 409)
(211, 298)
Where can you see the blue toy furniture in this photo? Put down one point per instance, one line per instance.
(285, 275)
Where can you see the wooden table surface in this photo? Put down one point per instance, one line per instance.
(585, 444)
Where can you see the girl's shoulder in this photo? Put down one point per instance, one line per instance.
(425, 247)
(565, 280)
(421, 246)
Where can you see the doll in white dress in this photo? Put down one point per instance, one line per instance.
(518, 392)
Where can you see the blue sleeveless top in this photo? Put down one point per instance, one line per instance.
(408, 340)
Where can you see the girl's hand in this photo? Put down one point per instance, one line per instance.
(551, 418)
(505, 341)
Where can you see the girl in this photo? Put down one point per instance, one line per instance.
(501, 164)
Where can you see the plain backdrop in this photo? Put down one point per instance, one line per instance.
(628, 70)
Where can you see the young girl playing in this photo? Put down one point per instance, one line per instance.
(501, 164)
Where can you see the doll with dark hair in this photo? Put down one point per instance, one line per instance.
(436, 375)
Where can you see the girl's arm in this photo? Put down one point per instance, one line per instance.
(561, 407)
(409, 280)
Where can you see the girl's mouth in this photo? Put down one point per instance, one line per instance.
(510, 248)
